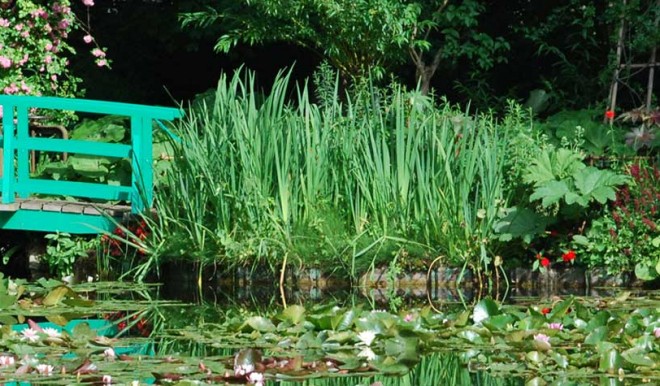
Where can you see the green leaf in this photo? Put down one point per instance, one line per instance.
(57, 294)
(550, 192)
(484, 310)
(597, 184)
(258, 323)
(610, 361)
(599, 334)
(520, 223)
(294, 314)
(638, 357)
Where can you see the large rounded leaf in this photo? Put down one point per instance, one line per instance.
(484, 310)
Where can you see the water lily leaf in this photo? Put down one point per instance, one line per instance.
(559, 359)
(57, 319)
(462, 319)
(535, 356)
(293, 314)
(610, 361)
(49, 283)
(6, 300)
(78, 302)
(343, 321)
(258, 323)
(484, 310)
(7, 320)
(638, 357)
(560, 309)
(498, 322)
(391, 368)
(600, 319)
(57, 294)
(470, 336)
(598, 335)
(341, 337)
(537, 381)
(83, 331)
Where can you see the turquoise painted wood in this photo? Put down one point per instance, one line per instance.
(17, 145)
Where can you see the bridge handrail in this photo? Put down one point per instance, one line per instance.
(17, 143)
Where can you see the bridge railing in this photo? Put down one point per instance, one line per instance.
(17, 145)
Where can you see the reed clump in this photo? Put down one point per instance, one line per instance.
(344, 183)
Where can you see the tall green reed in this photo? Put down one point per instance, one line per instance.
(262, 176)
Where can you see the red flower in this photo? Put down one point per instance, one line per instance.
(568, 256)
(609, 114)
(546, 311)
(545, 262)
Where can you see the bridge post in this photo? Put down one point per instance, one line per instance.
(8, 144)
(142, 159)
(23, 153)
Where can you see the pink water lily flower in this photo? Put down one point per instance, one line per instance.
(6, 360)
(656, 332)
(44, 369)
(30, 335)
(556, 326)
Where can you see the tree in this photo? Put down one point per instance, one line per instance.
(359, 37)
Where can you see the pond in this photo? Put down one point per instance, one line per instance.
(126, 333)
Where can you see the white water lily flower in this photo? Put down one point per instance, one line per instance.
(30, 335)
(109, 353)
(256, 379)
(367, 353)
(51, 332)
(6, 360)
(107, 379)
(44, 369)
(366, 337)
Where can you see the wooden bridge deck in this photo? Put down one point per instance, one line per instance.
(62, 206)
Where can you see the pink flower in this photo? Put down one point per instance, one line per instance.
(107, 379)
(48, 59)
(656, 332)
(63, 24)
(102, 63)
(29, 334)
(88, 3)
(6, 360)
(45, 369)
(26, 57)
(5, 62)
(542, 338)
(98, 53)
(408, 318)
(88, 38)
(4, 22)
(19, 27)
(556, 326)
(49, 46)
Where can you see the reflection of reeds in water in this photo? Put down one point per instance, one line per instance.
(438, 369)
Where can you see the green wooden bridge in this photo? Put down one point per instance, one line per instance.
(24, 203)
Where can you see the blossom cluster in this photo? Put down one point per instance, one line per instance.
(34, 50)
